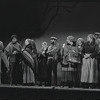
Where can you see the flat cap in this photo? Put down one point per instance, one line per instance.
(14, 36)
(97, 33)
(54, 38)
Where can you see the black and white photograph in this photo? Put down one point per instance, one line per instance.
(49, 50)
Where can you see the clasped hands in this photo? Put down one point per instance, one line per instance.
(15, 52)
(86, 56)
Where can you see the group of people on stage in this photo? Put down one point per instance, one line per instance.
(23, 64)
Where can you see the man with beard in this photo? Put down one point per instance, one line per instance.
(53, 56)
(12, 51)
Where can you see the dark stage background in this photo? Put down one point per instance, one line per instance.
(40, 20)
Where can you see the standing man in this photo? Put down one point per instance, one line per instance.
(53, 56)
(12, 51)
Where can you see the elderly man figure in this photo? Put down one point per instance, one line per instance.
(53, 55)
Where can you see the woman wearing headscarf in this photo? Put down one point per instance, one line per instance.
(42, 63)
(89, 74)
(28, 72)
(69, 61)
(79, 45)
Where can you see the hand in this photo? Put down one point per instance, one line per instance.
(14, 52)
(87, 56)
(22, 50)
(7, 70)
(43, 52)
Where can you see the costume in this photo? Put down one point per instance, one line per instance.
(14, 62)
(89, 72)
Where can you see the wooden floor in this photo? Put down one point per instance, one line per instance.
(47, 93)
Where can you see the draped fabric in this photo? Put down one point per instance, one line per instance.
(28, 59)
(28, 75)
(28, 67)
(3, 58)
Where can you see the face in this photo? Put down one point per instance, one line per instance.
(26, 42)
(79, 42)
(44, 45)
(89, 39)
(14, 40)
(52, 41)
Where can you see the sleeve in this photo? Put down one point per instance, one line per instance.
(8, 51)
(55, 49)
(62, 50)
(95, 52)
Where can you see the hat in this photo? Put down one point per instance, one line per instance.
(80, 39)
(14, 36)
(54, 38)
(96, 33)
(71, 38)
(91, 36)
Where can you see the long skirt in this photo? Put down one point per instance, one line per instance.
(89, 72)
(42, 70)
(28, 75)
(69, 74)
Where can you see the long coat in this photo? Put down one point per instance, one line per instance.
(68, 68)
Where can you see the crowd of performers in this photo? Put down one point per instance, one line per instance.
(23, 64)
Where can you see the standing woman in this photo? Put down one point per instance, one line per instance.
(89, 74)
(80, 45)
(28, 73)
(42, 59)
(69, 62)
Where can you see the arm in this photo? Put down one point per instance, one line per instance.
(54, 50)
(8, 50)
(95, 52)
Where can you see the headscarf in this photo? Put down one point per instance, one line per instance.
(81, 40)
(91, 36)
(70, 38)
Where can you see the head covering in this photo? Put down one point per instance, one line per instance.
(44, 43)
(14, 36)
(96, 33)
(71, 38)
(1, 45)
(80, 39)
(91, 36)
(54, 38)
(29, 41)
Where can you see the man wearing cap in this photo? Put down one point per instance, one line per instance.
(12, 51)
(53, 55)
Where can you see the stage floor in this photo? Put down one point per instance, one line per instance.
(47, 93)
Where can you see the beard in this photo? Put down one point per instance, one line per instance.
(52, 42)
